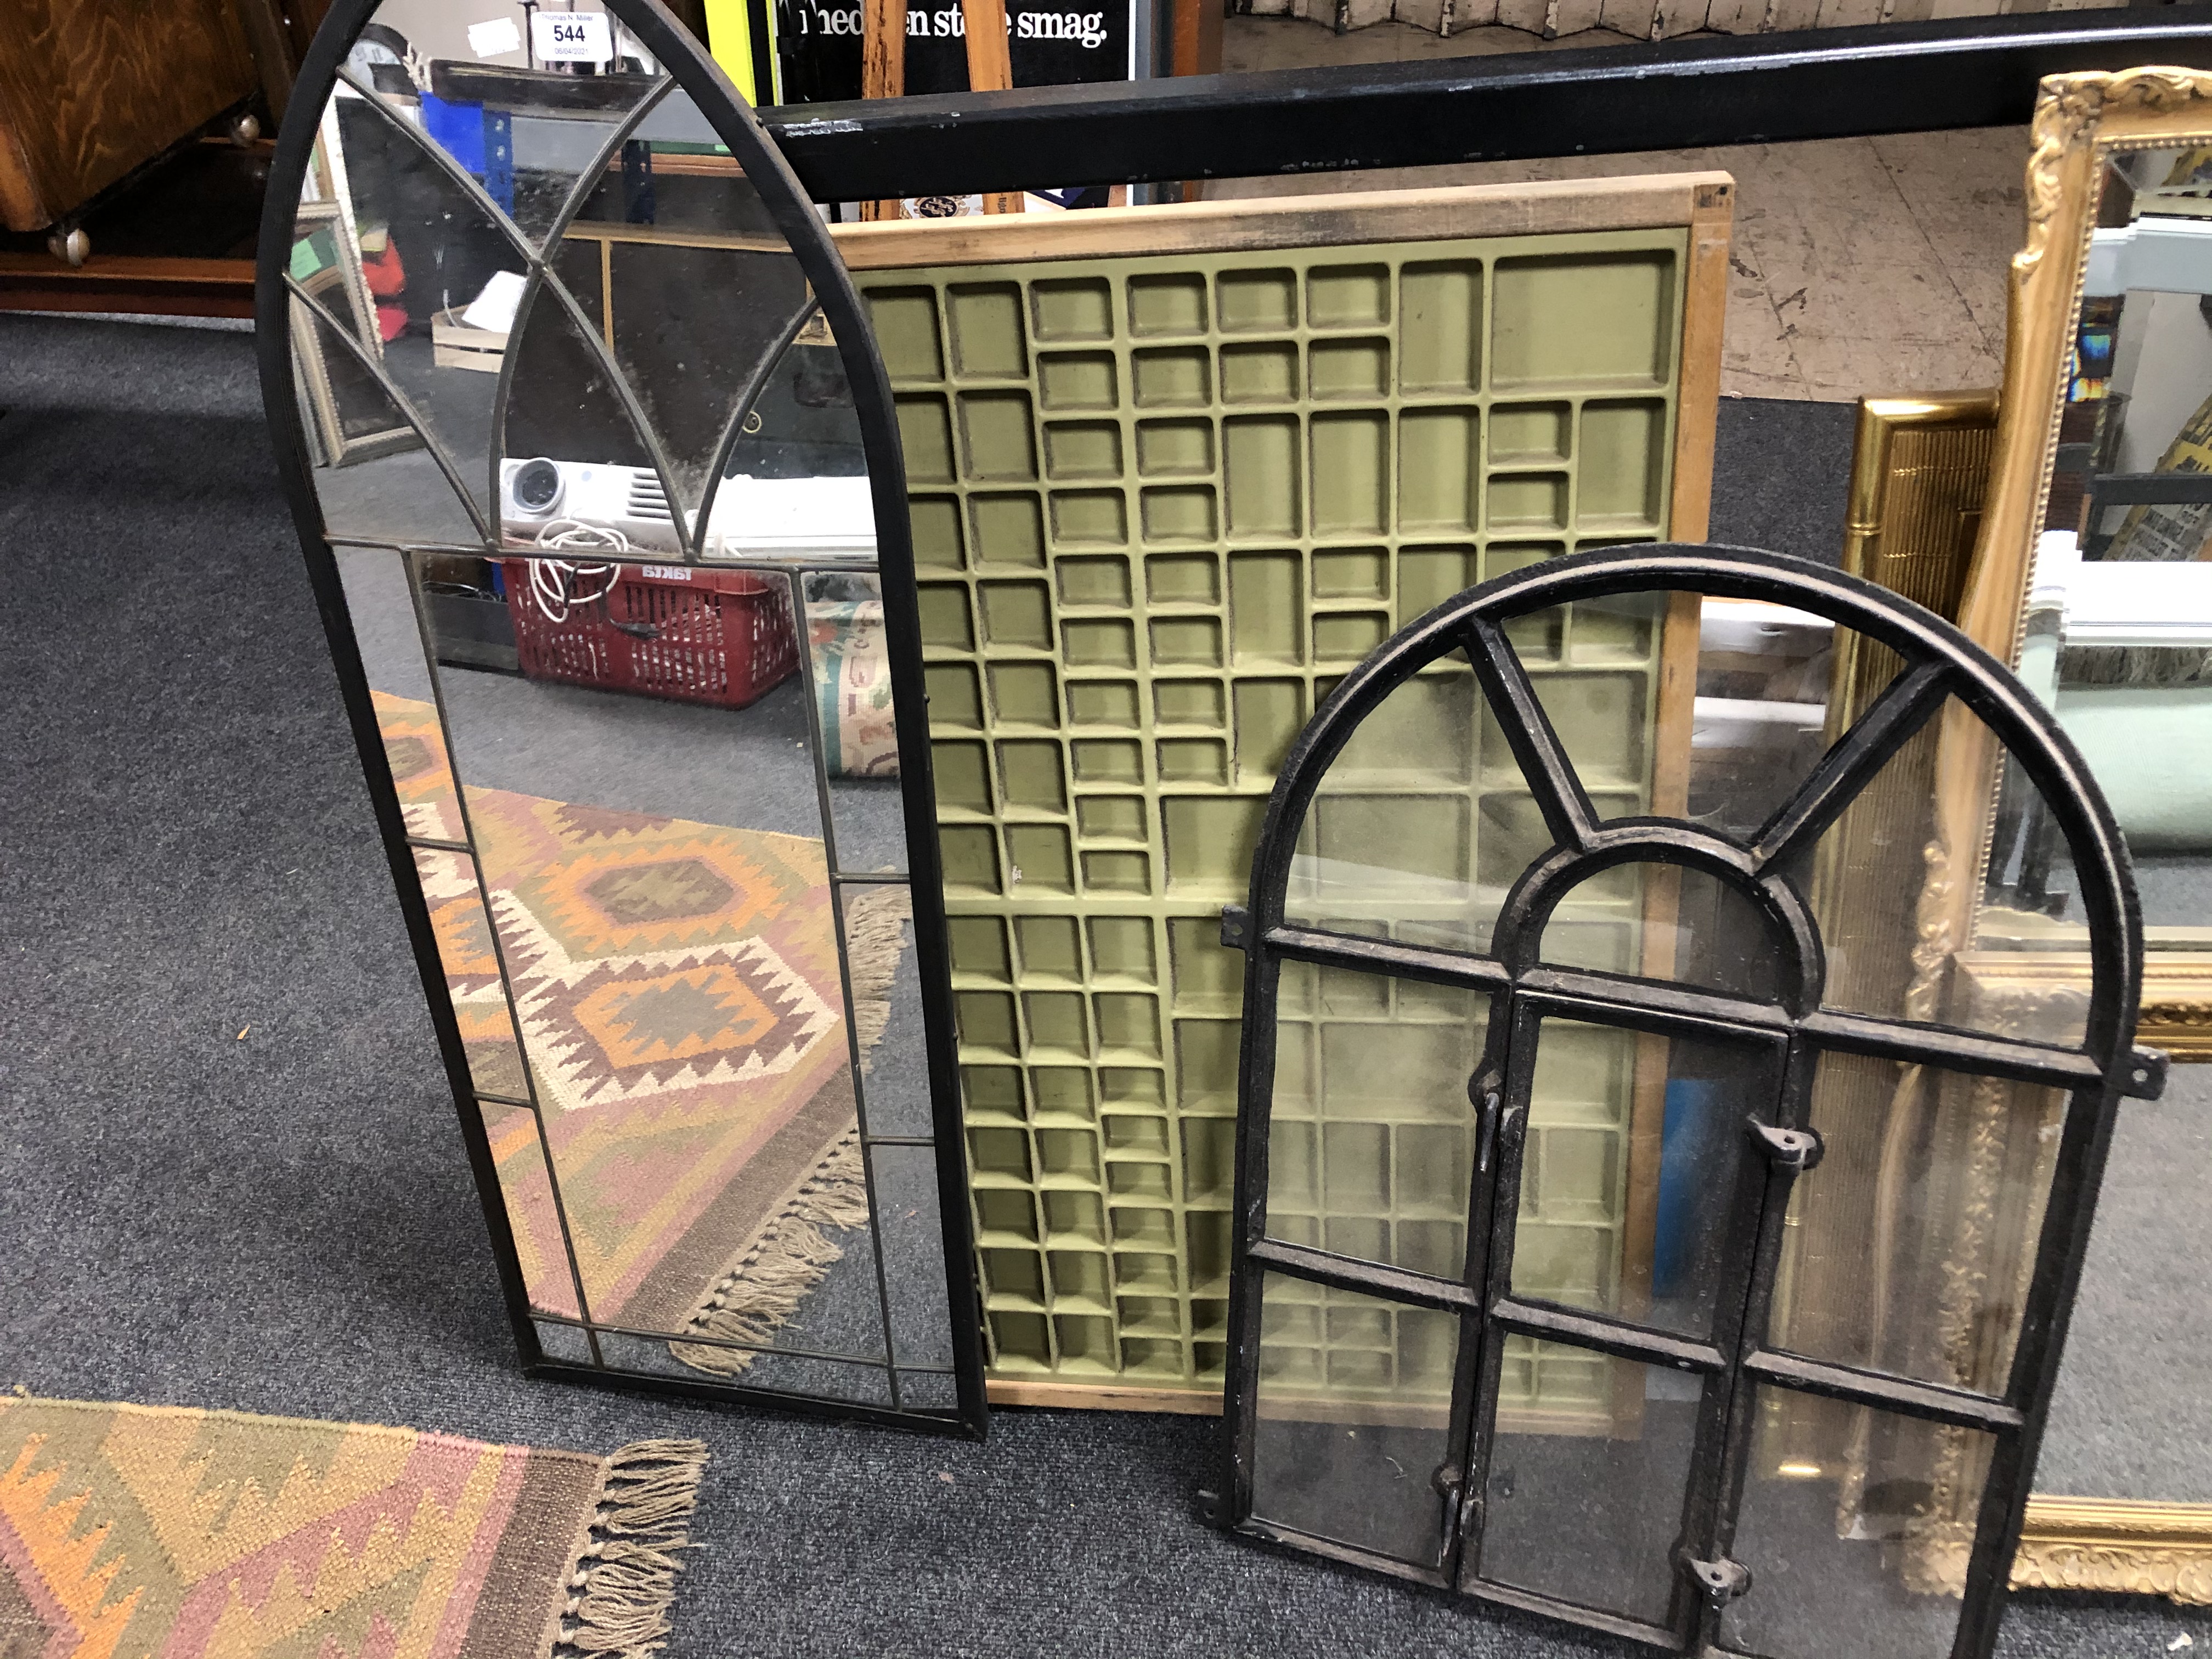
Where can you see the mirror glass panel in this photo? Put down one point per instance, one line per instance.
(2106, 420)
(1371, 1132)
(668, 927)
(1662, 1258)
(553, 351)
(1880, 1573)
(2118, 635)
(2115, 637)
(2140, 1340)
(1353, 1411)
(1590, 1517)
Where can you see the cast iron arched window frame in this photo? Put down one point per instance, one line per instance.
(685, 67)
(1792, 1029)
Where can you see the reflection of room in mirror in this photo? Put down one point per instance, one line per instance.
(2118, 635)
(1761, 709)
(2126, 1421)
(656, 379)
(556, 351)
(337, 326)
(680, 968)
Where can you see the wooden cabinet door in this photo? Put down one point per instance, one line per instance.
(91, 88)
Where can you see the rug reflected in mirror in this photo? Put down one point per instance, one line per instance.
(678, 989)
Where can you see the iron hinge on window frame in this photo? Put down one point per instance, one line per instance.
(1722, 1581)
(2146, 1077)
(1483, 1088)
(1462, 1506)
(1794, 1150)
(1235, 927)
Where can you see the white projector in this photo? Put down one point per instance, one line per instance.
(781, 521)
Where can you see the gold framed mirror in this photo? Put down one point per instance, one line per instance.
(2085, 451)
(2092, 574)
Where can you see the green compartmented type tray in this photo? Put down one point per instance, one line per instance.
(1161, 503)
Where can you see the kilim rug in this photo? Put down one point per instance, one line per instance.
(149, 1532)
(678, 990)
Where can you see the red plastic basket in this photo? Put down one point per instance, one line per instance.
(715, 636)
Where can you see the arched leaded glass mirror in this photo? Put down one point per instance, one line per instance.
(593, 461)
(1562, 1066)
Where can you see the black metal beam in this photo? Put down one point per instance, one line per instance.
(1729, 90)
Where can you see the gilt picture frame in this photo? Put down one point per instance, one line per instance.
(2127, 1544)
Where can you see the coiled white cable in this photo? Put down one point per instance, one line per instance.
(553, 581)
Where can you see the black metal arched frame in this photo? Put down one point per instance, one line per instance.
(1793, 1028)
(685, 67)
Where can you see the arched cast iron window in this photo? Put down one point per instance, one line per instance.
(1659, 1201)
(595, 467)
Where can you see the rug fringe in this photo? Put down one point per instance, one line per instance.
(875, 939)
(786, 1262)
(752, 1301)
(622, 1579)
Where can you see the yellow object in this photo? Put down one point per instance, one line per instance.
(730, 40)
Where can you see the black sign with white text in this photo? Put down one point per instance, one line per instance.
(818, 43)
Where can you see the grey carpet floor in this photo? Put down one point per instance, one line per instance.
(281, 1221)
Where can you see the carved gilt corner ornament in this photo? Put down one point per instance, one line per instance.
(2071, 105)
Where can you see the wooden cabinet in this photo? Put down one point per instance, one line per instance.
(91, 89)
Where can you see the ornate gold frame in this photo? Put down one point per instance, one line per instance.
(2078, 120)
(1921, 469)
(2177, 1005)
(2131, 1546)
(2145, 1547)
